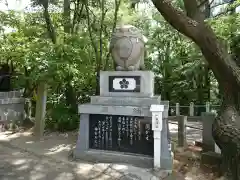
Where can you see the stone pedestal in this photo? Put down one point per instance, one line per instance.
(117, 125)
(141, 83)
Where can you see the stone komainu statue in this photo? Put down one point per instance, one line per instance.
(127, 48)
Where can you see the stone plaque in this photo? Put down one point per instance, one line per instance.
(124, 83)
(121, 133)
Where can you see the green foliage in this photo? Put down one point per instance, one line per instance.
(60, 118)
(69, 66)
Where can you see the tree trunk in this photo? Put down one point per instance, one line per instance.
(207, 84)
(70, 92)
(66, 16)
(42, 93)
(226, 131)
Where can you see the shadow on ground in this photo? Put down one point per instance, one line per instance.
(47, 159)
(21, 165)
(53, 144)
(41, 164)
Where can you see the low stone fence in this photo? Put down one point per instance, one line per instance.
(189, 118)
(11, 107)
(187, 126)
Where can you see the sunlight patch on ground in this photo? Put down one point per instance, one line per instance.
(29, 142)
(37, 175)
(173, 128)
(65, 175)
(8, 135)
(23, 167)
(19, 161)
(84, 167)
(59, 148)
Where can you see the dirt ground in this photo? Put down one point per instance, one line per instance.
(186, 161)
(20, 165)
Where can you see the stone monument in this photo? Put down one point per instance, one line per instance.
(127, 122)
(127, 48)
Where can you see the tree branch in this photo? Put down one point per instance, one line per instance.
(77, 13)
(215, 53)
(90, 32)
(66, 16)
(50, 28)
(117, 5)
(103, 14)
(177, 19)
(193, 10)
(49, 24)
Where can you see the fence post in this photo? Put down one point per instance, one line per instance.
(207, 107)
(191, 109)
(177, 109)
(182, 139)
(207, 139)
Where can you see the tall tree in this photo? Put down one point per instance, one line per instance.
(225, 130)
(42, 86)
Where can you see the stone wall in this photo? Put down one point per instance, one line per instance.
(11, 106)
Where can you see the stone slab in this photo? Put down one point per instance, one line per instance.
(146, 83)
(82, 148)
(128, 110)
(11, 94)
(11, 109)
(129, 101)
(114, 157)
(12, 101)
(83, 135)
(208, 141)
(115, 110)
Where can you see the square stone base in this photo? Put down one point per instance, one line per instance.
(84, 152)
(125, 101)
(114, 157)
(145, 88)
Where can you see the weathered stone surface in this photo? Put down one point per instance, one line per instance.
(82, 149)
(146, 83)
(11, 106)
(127, 48)
(129, 101)
(208, 141)
(10, 94)
(114, 110)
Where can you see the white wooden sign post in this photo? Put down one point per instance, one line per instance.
(157, 111)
